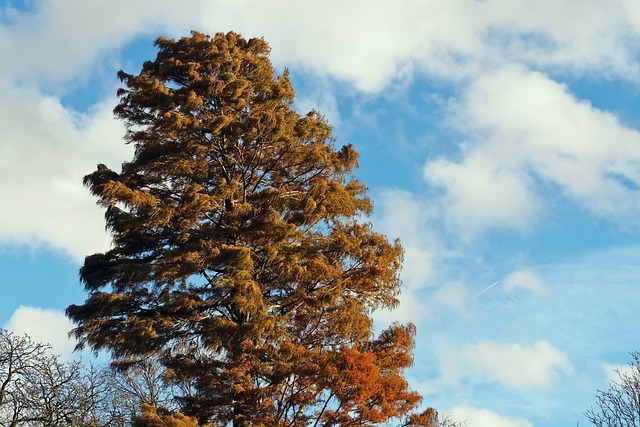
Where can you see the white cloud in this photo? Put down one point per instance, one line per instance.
(43, 326)
(370, 44)
(480, 194)
(480, 417)
(399, 214)
(532, 135)
(526, 279)
(47, 151)
(322, 99)
(367, 43)
(62, 39)
(615, 372)
(454, 297)
(521, 367)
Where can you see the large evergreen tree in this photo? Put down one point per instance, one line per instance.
(239, 255)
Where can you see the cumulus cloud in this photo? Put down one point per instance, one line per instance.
(520, 367)
(44, 326)
(61, 39)
(47, 150)
(533, 134)
(480, 417)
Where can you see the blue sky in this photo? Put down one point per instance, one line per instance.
(500, 141)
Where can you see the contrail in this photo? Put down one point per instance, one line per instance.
(486, 289)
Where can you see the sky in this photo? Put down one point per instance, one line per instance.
(499, 139)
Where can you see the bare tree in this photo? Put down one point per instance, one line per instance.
(449, 421)
(98, 401)
(146, 381)
(30, 382)
(619, 405)
(37, 389)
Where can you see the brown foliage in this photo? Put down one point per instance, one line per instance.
(154, 417)
(238, 252)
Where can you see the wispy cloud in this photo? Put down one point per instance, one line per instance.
(518, 366)
(615, 372)
(525, 279)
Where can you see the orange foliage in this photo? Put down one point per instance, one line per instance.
(154, 417)
(239, 255)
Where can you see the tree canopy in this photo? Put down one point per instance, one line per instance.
(240, 256)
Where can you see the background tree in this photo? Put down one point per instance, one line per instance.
(239, 256)
(145, 382)
(619, 405)
(34, 385)
(37, 389)
(97, 402)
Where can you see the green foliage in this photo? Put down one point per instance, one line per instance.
(239, 256)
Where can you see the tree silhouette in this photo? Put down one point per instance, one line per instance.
(619, 405)
(239, 254)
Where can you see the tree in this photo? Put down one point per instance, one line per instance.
(96, 401)
(37, 389)
(33, 384)
(145, 382)
(619, 405)
(154, 417)
(239, 256)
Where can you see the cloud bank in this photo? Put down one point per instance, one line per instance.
(535, 130)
